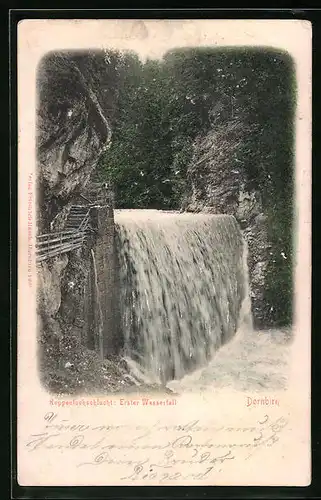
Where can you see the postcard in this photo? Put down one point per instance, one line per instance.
(164, 252)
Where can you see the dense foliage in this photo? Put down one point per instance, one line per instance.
(164, 105)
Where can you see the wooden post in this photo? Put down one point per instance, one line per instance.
(105, 259)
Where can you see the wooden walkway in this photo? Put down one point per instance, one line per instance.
(72, 237)
(53, 244)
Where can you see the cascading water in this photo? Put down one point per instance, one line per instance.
(183, 288)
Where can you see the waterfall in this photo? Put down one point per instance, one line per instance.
(99, 323)
(184, 288)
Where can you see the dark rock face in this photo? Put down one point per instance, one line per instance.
(219, 185)
(75, 107)
(76, 94)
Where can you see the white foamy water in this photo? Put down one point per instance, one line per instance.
(184, 289)
(251, 361)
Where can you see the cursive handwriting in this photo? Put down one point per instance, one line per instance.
(187, 451)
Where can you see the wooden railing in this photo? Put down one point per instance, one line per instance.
(73, 237)
(53, 244)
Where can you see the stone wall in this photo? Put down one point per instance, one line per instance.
(105, 290)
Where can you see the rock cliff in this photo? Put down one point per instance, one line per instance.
(76, 99)
(219, 184)
(75, 105)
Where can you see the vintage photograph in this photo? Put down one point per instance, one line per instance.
(164, 264)
(165, 219)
